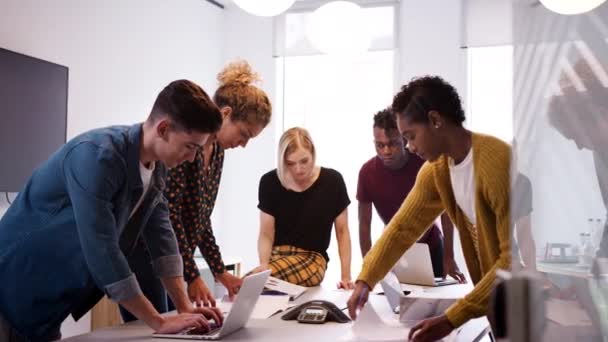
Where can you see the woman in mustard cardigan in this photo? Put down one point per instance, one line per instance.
(466, 175)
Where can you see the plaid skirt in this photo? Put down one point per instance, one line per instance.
(297, 266)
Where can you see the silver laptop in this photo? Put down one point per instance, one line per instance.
(415, 267)
(239, 313)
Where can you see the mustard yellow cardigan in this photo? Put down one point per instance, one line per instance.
(431, 195)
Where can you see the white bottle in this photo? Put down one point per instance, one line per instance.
(588, 250)
(599, 232)
(579, 248)
(591, 225)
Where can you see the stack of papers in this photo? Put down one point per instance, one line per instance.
(370, 327)
(275, 285)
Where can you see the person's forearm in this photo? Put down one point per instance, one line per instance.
(141, 308)
(448, 234)
(365, 227)
(264, 249)
(526, 243)
(175, 286)
(365, 239)
(209, 248)
(528, 251)
(344, 249)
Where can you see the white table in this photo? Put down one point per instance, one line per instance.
(275, 329)
(571, 270)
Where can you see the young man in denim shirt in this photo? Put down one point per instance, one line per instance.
(66, 237)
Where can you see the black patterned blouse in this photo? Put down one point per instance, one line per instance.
(191, 192)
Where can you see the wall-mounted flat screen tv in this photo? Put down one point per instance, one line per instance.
(33, 115)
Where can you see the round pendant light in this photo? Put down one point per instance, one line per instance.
(338, 27)
(264, 8)
(571, 7)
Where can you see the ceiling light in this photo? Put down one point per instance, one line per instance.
(264, 8)
(570, 7)
(338, 27)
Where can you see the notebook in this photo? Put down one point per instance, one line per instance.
(278, 286)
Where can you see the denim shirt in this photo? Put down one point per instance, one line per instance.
(61, 236)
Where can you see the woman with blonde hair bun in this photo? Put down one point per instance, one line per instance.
(192, 188)
(299, 204)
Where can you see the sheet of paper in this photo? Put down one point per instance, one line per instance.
(279, 285)
(370, 327)
(567, 313)
(269, 305)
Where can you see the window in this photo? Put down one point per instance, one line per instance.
(490, 91)
(335, 98)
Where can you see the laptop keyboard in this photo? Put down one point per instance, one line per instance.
(194, 331)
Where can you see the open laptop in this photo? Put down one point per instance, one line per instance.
(239, 314)
(415, 267)
(412, 310)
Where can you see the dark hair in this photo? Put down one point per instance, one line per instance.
(424, 94)
(188, 107)
(385, 119)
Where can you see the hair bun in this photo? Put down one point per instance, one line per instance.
(238, 72)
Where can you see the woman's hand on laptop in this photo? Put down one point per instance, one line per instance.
(231, 283)
(450, 268)
(180, 322)
(199, 293)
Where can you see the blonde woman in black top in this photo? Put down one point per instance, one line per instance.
(299, 204)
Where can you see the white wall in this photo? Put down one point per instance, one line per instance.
(236, 217)
(120, 54)
(429, 42)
